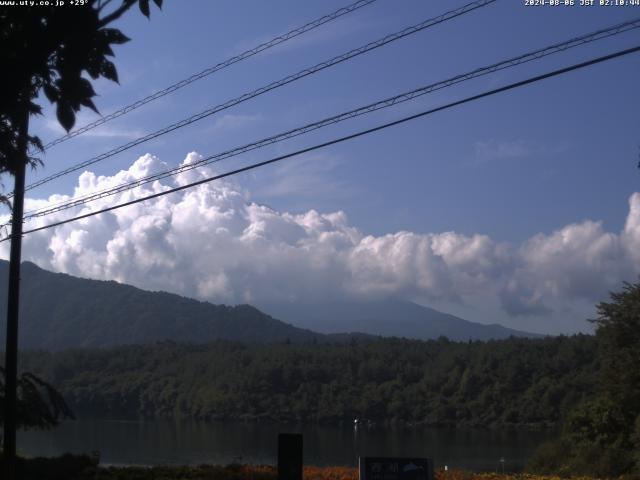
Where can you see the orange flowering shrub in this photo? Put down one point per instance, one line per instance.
(330, 473)
(466, 475)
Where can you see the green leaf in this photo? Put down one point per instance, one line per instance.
(36, 142)
(87, 102)
(85, 89)
(108, 70)
(35, 109)
(50, 92)
(144, 7)
(66, 116)
(113, 35)
(93, 65)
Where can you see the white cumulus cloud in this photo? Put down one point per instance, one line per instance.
(213, 243)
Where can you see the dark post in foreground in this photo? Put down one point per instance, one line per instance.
(289, 456)
(13, 300)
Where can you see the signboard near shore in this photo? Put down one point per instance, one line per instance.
(395, 468)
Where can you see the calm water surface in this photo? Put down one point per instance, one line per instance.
(190, 442)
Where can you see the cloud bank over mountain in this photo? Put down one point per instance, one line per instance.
(214, 243)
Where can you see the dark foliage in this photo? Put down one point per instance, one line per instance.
(65, 467)
(618, 332)
(601, 437)
(83, 467)
(515, 382)
(39, 404)
(52, 50)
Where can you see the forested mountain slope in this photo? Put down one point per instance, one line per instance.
(519, 382)
(60, 311)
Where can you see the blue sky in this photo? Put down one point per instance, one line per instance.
(509, 167)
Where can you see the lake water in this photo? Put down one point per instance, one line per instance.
(190, 442)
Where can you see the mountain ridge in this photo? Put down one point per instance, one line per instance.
(120, 314)
(388, 318)
(60, 311)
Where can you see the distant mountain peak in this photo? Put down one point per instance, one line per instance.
(62, 311)
(389, 317)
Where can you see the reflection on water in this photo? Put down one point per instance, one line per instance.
(191, 442)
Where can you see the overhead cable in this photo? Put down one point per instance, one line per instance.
(388, 102)
(342, 139)
(272, 86)
(212, 69)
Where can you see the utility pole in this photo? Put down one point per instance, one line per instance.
(13, 300)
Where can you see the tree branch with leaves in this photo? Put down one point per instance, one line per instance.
(40, 405)
(53, 50)
(48, 50)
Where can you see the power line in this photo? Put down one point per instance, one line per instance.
(284, 81)
(597, 35)
(215, 68)
(388, 102)
(361, 133)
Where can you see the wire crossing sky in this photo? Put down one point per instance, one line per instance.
(521, 209)
(386, 103)
(343, 139)
(213, 69)
(449, 15)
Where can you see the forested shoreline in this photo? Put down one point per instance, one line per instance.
(506, 383)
